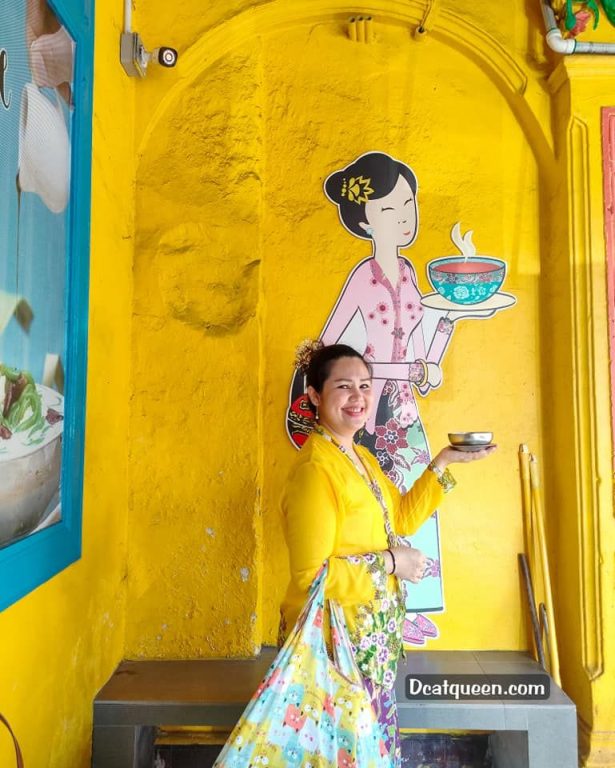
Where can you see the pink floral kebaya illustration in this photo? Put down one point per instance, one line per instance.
(381, 313)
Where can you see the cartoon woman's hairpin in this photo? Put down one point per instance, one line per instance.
(357, 189)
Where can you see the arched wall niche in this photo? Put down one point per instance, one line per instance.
(520, 85)
(232, 230)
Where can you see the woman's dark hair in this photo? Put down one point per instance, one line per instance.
(321, 362)
(379, 171)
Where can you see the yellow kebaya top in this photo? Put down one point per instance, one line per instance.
(330, 513)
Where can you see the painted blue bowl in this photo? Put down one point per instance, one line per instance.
(466, 281)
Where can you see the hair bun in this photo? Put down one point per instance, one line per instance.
(335, 186)
(305, 352)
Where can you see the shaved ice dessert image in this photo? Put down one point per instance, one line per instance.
(31, 426)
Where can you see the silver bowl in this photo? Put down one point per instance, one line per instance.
(470, 438)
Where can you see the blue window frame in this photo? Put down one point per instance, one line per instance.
(42, 338)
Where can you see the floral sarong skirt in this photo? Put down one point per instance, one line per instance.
(400, 445)
(385, 707)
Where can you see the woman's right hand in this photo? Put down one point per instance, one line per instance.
(410, 563)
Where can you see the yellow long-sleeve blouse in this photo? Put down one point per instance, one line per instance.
(330, 513)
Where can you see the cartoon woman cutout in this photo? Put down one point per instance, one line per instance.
(379, 313)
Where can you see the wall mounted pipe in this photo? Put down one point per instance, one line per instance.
(559, 44)
(127, 15)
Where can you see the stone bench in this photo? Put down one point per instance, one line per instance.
(141, 696)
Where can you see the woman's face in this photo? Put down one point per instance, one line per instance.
(346, 398)
(393, 218)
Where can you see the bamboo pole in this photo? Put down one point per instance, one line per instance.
(529, 592)
(528, 537)
(544, 558)
(526, 499)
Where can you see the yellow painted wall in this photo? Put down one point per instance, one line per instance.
(263, 105)
(579, 486)
(237, 256)
(229, 193)
(60, 644)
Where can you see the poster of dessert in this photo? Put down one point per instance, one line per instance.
(36, 115)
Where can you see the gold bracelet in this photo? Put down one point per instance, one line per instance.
(425, 374)
(445, 478)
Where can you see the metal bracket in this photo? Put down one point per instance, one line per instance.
(133, 56)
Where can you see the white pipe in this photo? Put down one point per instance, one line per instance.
(559, 44)
(127, 15)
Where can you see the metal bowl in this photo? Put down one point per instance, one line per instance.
(470, 438)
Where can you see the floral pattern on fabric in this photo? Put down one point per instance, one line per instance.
(377, 638)
(385, 707)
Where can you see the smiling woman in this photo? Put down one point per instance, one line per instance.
(338, 506)
(344, 398)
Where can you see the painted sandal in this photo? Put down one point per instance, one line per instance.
(426, 626)
(412, 634)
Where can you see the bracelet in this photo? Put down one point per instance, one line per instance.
(425, 373)
(445, 478)
(393, 559)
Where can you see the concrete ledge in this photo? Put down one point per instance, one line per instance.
(142, 695)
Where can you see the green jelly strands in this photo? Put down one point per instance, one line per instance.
(592, 5)
(609, 10)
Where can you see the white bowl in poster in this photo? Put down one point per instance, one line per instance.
(30, 464)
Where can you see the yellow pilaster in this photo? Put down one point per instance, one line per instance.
(578, 438)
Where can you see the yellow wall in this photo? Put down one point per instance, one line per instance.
(413, 101)
(237, 256)
(229, 190)
(59, 644)
(263, 105)
(580, 481)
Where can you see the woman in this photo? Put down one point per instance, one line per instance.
(339, 506)
(379, 312)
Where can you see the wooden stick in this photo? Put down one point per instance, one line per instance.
(529, 534)
(529, 592)
(544, 556)
(526, 498)
(544, 628)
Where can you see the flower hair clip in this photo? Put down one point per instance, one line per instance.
(357, 190)
(305, 352)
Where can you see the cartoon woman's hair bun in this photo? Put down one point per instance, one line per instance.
(336, 186)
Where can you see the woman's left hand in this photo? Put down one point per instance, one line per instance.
(449, 455)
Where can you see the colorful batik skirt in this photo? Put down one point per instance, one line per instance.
(385, 707)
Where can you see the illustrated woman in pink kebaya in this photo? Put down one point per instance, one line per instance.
(379, 313)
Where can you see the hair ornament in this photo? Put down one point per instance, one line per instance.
(358, 190)
(305, 352)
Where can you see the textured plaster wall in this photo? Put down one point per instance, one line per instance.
(196, 465)
(59, 644)
(239, 256)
